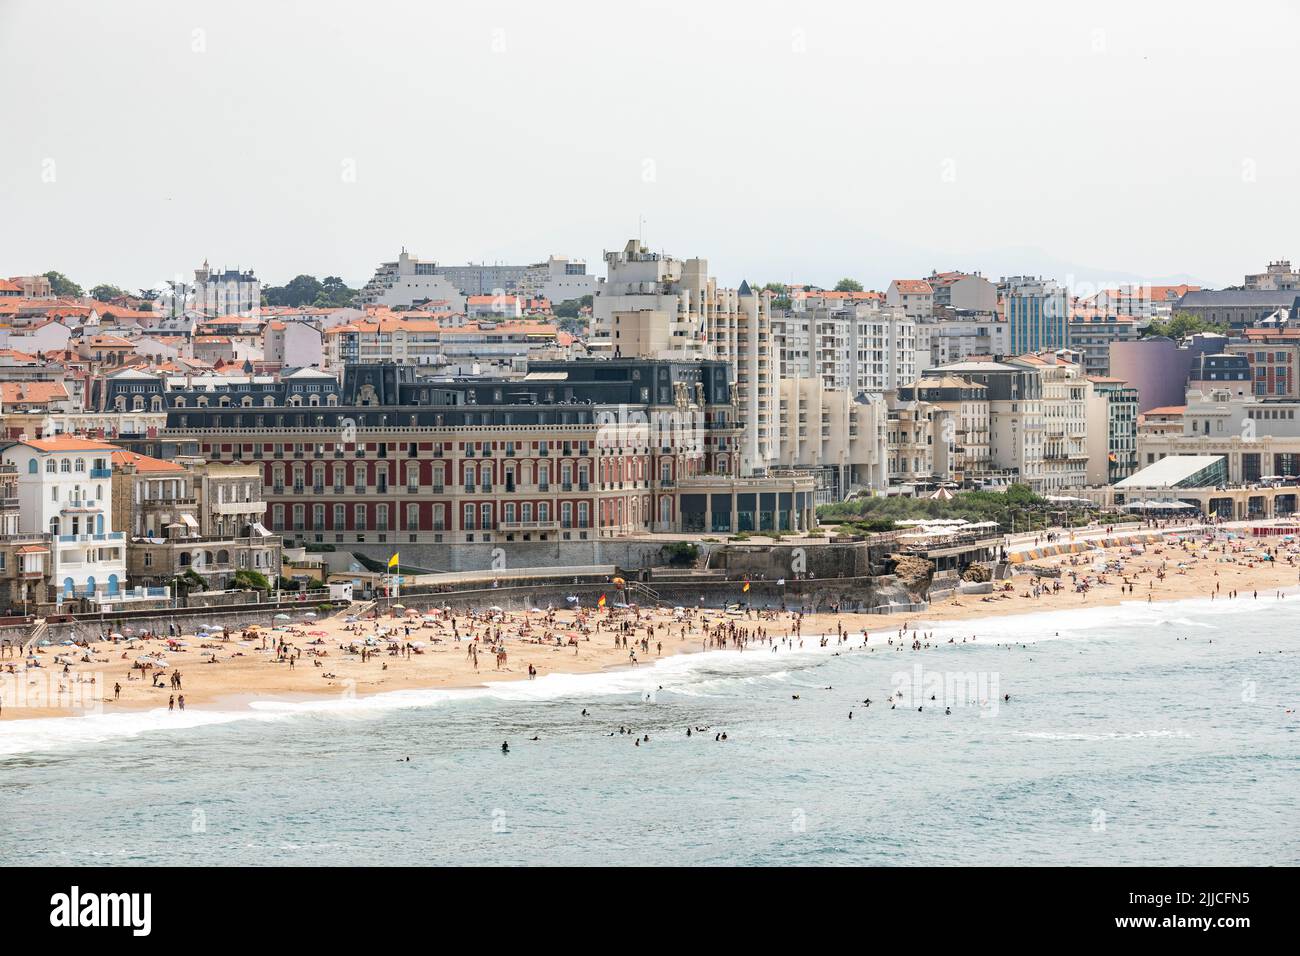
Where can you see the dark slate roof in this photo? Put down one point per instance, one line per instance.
(1251, 298)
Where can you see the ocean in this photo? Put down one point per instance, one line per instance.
(1161, 734)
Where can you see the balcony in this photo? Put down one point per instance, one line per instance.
(101, 473)
(528, 525)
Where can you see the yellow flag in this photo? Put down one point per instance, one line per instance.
(392, 562)
(746, 587)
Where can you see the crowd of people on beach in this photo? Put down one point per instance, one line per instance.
(351, 648)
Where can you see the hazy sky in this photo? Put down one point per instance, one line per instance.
(781, 140)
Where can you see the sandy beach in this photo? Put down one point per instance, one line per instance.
(344, 655)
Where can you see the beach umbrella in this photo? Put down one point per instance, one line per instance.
(283, 617)
(399, 607)
(495, 609)
(310, 615)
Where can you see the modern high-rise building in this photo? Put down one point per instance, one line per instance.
(1037, 312)
(652, 305)
(1112, 430)
(866, 348)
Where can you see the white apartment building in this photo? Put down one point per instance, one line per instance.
(865, 349)
(430, 342)
(1066, 394)
(888, 349)
(958, 338)
(1015, 415)
(652, 305)
(835, 432)
(409, 281)
(914, 296)
(65, 490)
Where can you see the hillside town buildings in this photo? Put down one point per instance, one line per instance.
(450, 411)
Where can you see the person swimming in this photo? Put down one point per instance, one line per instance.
(505, 746)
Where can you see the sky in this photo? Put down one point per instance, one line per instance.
(782, 141)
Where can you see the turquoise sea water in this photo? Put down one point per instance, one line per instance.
(1147, 734)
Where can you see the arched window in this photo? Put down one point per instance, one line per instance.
(51, 466)
(32, 467)
(65, 466)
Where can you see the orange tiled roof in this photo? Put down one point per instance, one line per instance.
(16, 393)
(144, 463)
(69, 443)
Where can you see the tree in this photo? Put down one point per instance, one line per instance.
(572, 308)
(300, 290)
(62, 285)
(848, 285)
(1182, 325)
(251, 580)
(334, 294)
(106, 293)
(780, 288)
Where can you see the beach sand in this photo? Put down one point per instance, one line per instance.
(244, 671)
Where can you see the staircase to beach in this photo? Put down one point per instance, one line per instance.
(643, 591)
(40, 631)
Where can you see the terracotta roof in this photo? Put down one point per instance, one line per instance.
(143, 463)
(16, 393)
(913, 287)
(1167, 410)
(68, 443)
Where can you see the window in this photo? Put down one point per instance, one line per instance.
(359, 517)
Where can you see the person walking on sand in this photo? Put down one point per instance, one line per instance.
(180, 701)
(117, 691)
(171, 702)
